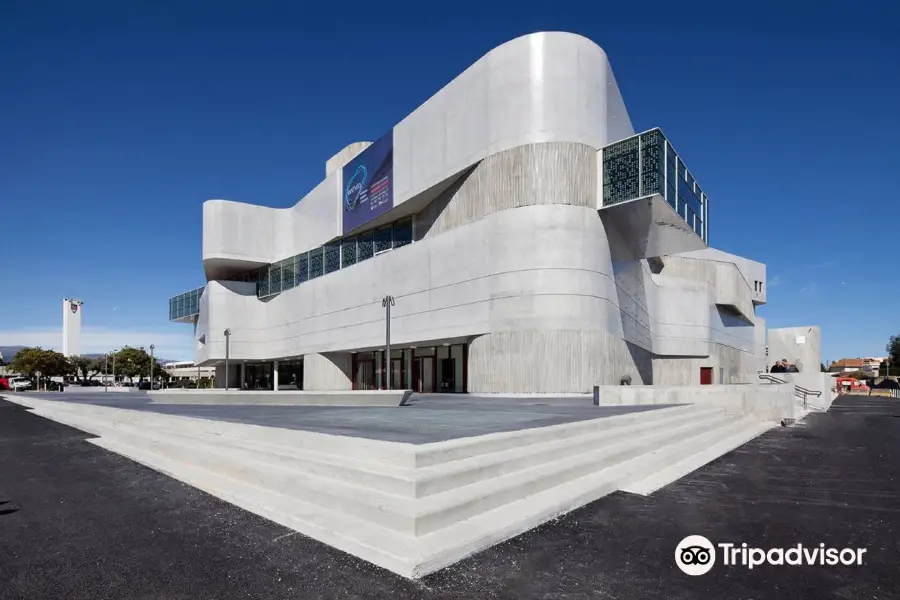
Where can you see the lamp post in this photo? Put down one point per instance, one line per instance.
(114, 367)
(227, 355)
(387, 302)
(105, 371)
(152, 348)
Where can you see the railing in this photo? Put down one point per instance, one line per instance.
(799, 391)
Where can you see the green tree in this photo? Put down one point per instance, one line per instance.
(86, 368)
(49, 363)
(135, 362)
(893, 350)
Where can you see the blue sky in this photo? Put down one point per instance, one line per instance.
(118, 119)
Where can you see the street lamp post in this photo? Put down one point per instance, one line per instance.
(152, 348)
(387, 302)
(227, 355)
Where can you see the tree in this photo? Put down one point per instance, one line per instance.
(48, 363)
(135, 362)
(893, 350)
(86, 368)
(823, 368)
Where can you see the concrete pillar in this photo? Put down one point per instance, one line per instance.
(275, 375)
(243, 375)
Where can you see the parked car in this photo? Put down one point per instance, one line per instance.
(18, 384)
(144, 385)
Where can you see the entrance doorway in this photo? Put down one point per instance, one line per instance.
(706, 375)
(364, 371)
(398, 373)
(423, 374)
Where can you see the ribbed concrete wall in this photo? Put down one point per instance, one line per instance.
(550, 173)
(686, 370)
(554, 361)
(327, 372)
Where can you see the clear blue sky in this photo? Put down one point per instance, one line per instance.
(118, 119)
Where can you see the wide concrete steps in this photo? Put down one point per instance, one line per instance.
(415, 508)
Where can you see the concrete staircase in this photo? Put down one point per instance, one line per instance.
(410, 508)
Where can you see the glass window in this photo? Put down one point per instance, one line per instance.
(382, 239)
(316, 265)
(275, 278)
(348, 252)
(651, 163)
(262, 282)
(301, 267)
(621, 166)
(457, 354)
(365, 246)
(287, 273)
(332, 256)
(403, 233)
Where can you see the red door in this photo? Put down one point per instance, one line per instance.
(706, 375)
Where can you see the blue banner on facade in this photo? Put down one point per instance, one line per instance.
(368, 186)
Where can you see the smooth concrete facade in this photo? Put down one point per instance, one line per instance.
(801, 346)
(513, 253)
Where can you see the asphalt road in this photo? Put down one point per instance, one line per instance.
(93, 525)
(431, 418)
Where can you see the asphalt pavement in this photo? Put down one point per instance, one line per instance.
(92, 525)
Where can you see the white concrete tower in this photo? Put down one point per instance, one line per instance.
(71, 345)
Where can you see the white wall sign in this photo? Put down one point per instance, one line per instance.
(801, 339)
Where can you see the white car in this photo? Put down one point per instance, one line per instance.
(17, 384)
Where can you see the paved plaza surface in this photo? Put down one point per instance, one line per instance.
(85, 523)
(428, 418)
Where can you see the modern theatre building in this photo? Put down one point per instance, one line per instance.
(528, 239)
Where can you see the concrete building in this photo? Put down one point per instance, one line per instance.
(187, 370)
(529, 238)
(71, 343)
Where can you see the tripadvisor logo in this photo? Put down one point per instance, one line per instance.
(696, 555)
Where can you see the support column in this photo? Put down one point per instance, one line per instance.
(275, 375)
(243, 375)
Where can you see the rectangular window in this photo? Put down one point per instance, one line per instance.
(274, 278)
(288, 280)
(332, 257)
(365, 246)
(348, 252)
(382, 239)
(621, 165)
(316, 265)
(262, 282)
(403, 233)
(301, 268)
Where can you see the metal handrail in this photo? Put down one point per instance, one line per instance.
(799, 391)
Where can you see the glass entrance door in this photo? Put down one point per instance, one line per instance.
(423, 374)
(364, 376)
(398, 381)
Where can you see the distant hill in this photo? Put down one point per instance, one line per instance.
(9, 352)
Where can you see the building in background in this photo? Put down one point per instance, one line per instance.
(188, 370)
(867, 365)
(525, 236)
(71, 343)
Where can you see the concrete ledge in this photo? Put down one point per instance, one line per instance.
(770, 402)
(291, 398)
